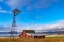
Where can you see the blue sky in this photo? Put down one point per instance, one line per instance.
(34, 13)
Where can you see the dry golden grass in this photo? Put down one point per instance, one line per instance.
(32, 40)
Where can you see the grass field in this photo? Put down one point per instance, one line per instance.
(32, 40)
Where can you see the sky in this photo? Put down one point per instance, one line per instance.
(35, 14)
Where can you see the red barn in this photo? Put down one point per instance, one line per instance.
(30, 34)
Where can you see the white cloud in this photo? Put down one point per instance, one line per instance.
(1, 0)
(26, 3)
(3, 11)
(55, 0)
(17, 3)
(12, 3)
(38, 17)
(57, 25)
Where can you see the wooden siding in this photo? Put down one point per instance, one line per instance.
(27, 35)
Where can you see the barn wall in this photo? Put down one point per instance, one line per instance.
(39, 36)
(24, 35)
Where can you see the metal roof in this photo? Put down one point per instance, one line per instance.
(29, 31)
(36, 34)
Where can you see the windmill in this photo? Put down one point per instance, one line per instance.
(15, 13)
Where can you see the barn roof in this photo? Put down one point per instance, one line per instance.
(29, 31)
(36, 34)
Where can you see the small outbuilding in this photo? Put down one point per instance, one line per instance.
(30, 34)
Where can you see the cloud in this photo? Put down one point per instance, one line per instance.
(38, 17)
(1, 0)
(57, 25)
(3, 11)
(8, 28)
(52, 26)
(55, 0)
(5, 28)
(30, 4)
(17, 3)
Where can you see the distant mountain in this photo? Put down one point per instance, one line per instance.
(53, 32)
(10, 32)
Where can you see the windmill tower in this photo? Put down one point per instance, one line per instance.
(13, 31)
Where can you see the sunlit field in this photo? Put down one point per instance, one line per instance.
(47, 39)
